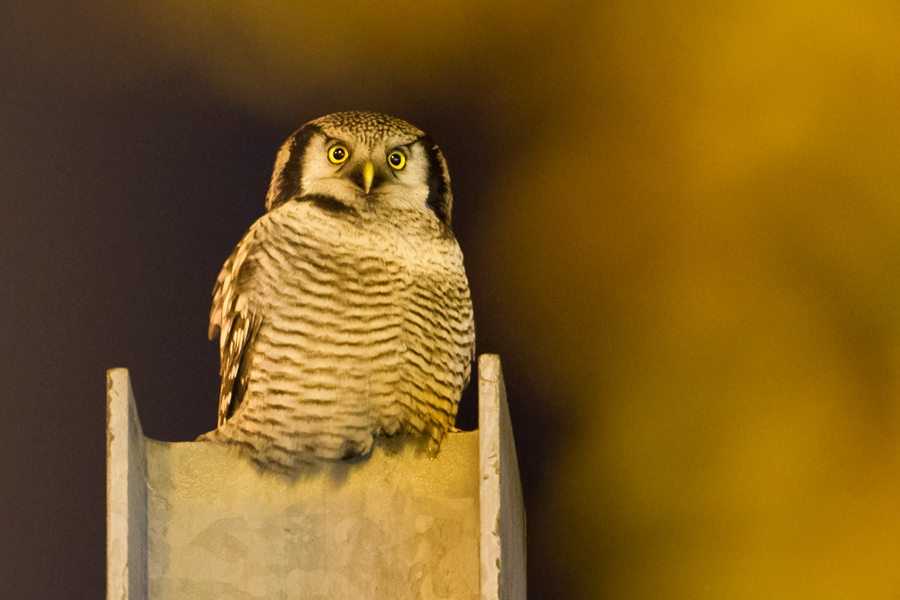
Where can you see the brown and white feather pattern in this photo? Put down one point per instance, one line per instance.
(338, 325)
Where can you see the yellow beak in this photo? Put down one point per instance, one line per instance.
(368, 175)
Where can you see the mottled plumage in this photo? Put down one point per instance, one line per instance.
(344, 312)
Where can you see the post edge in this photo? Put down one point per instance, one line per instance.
(502, 509)
(126, 492)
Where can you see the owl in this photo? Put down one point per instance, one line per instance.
(344, 312)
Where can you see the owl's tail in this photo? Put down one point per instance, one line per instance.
(212, 436)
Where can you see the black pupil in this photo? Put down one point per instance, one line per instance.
(338, 153)
(395, 159)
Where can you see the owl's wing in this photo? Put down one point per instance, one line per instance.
(472, 357)
(237, 324)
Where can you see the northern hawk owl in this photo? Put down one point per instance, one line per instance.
(344, 312)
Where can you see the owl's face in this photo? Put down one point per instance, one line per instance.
(363, 161)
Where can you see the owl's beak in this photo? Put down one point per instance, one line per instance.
(368, 176)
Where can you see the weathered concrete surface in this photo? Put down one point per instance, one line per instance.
(396, 525)
(399, 525)
(126, 493)
(502, 511)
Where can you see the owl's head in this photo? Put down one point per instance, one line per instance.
(362, 159)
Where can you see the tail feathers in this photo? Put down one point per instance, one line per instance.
(211, 436)
(290, 454)
(294, 454)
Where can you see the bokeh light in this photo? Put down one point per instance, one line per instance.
(682, 226)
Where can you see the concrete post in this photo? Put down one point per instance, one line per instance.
(197, 521)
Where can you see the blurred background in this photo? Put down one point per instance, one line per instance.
(681, 223)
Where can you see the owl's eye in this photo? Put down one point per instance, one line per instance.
(397, 159)
(338, 154)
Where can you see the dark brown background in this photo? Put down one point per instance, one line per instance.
(681, 222)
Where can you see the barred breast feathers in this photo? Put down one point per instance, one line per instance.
(402, 310)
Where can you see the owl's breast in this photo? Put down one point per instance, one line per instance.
(364, 324)
(328, 276)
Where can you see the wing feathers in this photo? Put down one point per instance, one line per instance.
(237, 324)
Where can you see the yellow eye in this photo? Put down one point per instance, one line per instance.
(338, 154)
(397, 159)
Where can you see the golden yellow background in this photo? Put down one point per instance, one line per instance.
(685, 235)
